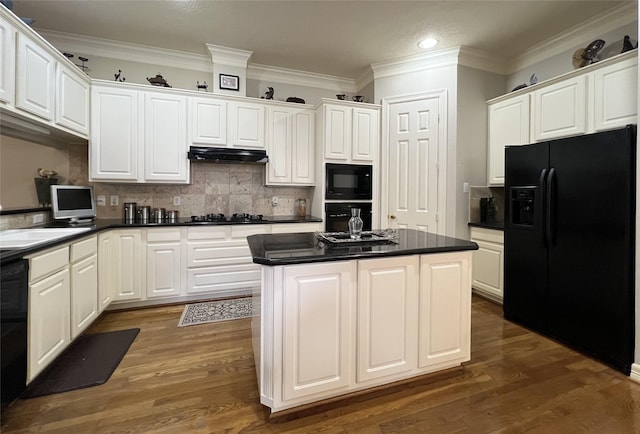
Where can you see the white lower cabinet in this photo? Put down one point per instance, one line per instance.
(488, 263)
(445, 310)
(387, 316)
(84, 284)
(165, 262)
(106, 279)
(128, 264)
(49, 309)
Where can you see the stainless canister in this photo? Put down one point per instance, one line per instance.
(157, 215)
(129, 212)
(171, 216)
(144, 213)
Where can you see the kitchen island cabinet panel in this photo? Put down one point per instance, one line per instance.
(387, 316)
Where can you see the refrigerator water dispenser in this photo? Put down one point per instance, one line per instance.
(523, 205)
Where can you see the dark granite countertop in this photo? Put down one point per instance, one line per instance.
(301, 248)
(499, 226)
(99, 225)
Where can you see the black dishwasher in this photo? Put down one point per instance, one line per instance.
(14, 298)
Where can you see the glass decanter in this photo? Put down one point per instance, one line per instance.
(355, 224)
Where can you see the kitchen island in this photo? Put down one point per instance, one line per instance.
(333, 319)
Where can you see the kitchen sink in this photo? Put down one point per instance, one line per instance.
(23, 238)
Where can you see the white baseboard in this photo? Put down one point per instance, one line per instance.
(635, 372)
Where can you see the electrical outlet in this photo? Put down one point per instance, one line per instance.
(38, 218)
(101, 200)
(176, 200)
(465, 187)
(114, 200)
(274, 201)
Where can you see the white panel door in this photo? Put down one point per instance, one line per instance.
(84, 294)
(488, 262)
(366, 136)
(113, 148)
(337, 132)
(445, 310)
(165, 138)
(49, 321)
(508, 125)
(303, 148)
(387, 316)
(35, 78)
(413, 166)
(616, 93)
(106, 280)
(279, 142)
(164, 269)
(246, 124)
(128, 265)
(7, 62)
(318, 325)
(208, 122)
(559, 110)
(72, 99)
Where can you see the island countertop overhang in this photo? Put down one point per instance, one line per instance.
(304, 247)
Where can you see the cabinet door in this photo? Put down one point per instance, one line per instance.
(7, 62)
(560, 109)
(488, 262)
(364, 146)
(246, 124)
(84, 294)
(445, 310)
(508, 125)
(318, 328)
(387, 316)
(72, 99)
(127, 265)
(303, 148)
(35, 78)
(337, 132)
(616, 93)
(165, 267)
(106, 267)
(49, 321)
(208, 122)
(279, 145)
(113, 148)
(165, 138)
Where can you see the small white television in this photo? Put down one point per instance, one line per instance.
(73, 202)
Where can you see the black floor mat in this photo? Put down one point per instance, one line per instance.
(88, 362)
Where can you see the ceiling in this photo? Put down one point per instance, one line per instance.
(339, 37)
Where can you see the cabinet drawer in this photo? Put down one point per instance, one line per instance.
(48, 263)
(490, 235)
(209, 233)
(245, 231)
(154, 235)
(286, 228)
(217, 253)
(84, 248)
(212, 279)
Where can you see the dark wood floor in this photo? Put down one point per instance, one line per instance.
(201, 379)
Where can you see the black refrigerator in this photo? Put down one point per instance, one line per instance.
(569, 242)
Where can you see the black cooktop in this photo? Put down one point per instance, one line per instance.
(235, 218)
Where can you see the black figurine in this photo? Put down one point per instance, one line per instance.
(118, 76)
(202, 86)
(626, 44)
(158, 81)
(268, 94)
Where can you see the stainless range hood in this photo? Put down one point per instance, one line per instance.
(227, 155)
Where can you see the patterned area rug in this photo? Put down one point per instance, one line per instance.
(213, 311)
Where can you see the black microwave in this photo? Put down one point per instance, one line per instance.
(348, 182)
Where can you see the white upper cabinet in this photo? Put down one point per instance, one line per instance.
(508, 125)
(165, 138)
(113, 149)
(560, 109)
(349, 134)
(208, 119)
(615, 95)
(36, 84)
(246, 124)
(290, 146)
(7, 61)
(72, 99)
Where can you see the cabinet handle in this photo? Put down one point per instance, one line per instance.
(392, 216)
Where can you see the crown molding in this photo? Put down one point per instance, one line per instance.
(229, 56)
(302, 78)
(416, 63)
(482, 60)
(576, 36)
(88, 45)
(364, 79)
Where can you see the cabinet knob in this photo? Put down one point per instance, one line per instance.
(392, 216)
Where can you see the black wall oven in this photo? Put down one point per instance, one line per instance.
(348, 182)
(337, 216)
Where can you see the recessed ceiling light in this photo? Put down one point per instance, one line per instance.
(428, 43)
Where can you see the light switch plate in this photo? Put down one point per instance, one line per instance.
(114, 200)
(101, 200)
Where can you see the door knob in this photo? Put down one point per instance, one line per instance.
(392, 216)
